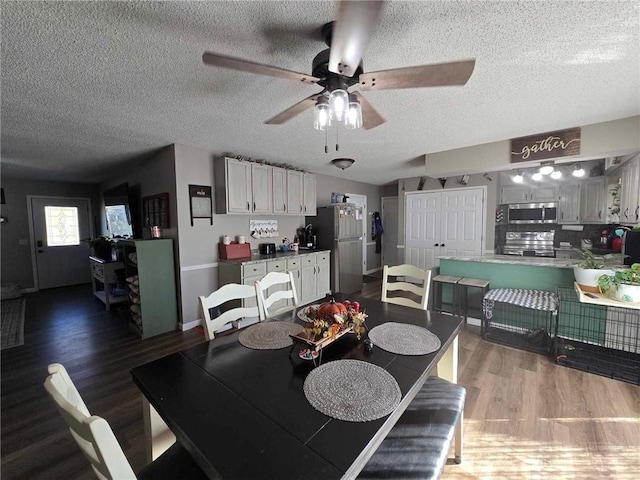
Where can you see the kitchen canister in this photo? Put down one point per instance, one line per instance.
(156, 232)
(226, 240)
(242, 239)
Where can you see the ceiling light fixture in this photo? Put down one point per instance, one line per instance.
(338, 104)
(556, 174)
(353, 119)
(536, 176)
(321, 116)
(578, 171)
(518, 178)
(343, 162)
(546, 168)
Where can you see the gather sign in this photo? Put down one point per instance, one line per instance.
(562, 143)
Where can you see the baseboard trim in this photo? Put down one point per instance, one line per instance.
(374, 270)
(189, 325)
(29, 290)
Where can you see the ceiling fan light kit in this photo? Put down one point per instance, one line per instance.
(340, 67)
(343, 163)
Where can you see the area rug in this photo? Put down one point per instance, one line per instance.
(12, 312)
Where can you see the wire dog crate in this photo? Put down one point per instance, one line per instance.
(598, 339)
(524, 319)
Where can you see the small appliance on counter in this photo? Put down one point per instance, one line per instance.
(631, 247)
(267, 248)
(605, 238)
(307, 238)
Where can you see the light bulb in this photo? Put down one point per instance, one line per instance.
(354, 113)
(321, 117)
(546, 169)
(556, 174)
(536, 176)
(338, 104)
(578, 171)
(518, 178)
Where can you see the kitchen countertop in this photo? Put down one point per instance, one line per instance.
(516, 260)
(257, 258)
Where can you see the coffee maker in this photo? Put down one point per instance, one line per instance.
(307, 238)
(605, 238)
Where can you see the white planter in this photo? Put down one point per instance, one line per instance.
(627, 293)
(587, 278)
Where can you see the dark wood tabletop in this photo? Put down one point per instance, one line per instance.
(242, 413)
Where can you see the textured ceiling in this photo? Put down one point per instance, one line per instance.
(89, 85)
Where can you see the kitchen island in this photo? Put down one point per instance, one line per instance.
(512, 271)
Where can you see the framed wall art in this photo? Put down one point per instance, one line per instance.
(155, 209)
(200, 202)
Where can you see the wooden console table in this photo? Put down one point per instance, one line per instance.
(103, 272)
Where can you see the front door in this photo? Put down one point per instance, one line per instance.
(443, 222)
(59, 227)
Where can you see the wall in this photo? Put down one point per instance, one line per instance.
(606, 139)
(16, 258)
(489, 180)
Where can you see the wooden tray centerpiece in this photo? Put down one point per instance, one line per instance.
(328, 322)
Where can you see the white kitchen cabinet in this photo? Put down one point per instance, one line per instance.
(309, 193)
(569, 203)
(323, 261)
(279, 180)
(294, 192)
(528, 193)
(261, 188)
(593, 200)
(233, 186)
(308, 279)
(630, 192)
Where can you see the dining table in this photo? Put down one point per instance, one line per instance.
(242, 413)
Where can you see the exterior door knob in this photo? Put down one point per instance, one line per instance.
(442, 245)
(436, 244)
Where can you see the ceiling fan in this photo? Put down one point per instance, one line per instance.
(340, 67)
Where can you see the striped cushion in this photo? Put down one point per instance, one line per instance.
(418, 445)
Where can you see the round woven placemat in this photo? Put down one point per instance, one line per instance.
(352, 390)
(269, 335)
(404, 339)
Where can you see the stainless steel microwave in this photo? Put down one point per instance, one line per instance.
(532, 213)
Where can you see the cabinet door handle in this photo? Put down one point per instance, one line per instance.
(637, 208)
(254, 206)
(300, 208)
(284, 207)
(442, 245)
(562, 216)
(436, 244)
(248, 206)
(305, 209)
(599, 213)
(626, 212)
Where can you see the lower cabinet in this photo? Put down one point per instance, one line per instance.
(310, 274)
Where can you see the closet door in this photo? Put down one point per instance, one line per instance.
(422, 229)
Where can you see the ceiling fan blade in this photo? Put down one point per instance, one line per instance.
(296, 109)
(351, 34)
(370, 116)
(438, 75)
(234, 63)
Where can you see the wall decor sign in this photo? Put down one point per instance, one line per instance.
(562, 143)
(200, 202)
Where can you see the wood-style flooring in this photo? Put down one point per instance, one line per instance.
(525, 417)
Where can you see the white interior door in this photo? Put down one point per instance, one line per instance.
(390, 225)
(422, 229)
(59, 226)
(361, 201)
(443, 222)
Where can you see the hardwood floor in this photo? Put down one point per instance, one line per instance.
(525, 417)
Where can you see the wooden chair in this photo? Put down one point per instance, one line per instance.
(286, 290)
(226, 293)
(421, 291)
(99, 444)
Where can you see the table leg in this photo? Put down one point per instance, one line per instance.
(448, 364)
(158, 437)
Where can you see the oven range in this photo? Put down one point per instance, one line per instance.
(533, 244)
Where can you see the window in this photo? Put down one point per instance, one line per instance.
(62, 226)
(117, 221)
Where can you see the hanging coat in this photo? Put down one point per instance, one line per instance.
(377, 231)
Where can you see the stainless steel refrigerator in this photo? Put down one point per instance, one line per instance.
(338, 227)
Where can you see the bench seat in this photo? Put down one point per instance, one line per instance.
(418, 445)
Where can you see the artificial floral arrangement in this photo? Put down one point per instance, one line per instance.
(331, 318)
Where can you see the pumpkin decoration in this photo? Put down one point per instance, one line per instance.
(329, 309)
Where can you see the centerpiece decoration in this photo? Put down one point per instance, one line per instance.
(329, 321)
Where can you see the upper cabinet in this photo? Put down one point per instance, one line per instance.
(243, 187)
(627, 177)
(309, 194)
(528, 193)
(569, 203)
(593, 200)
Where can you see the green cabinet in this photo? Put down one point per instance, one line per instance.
(151, 283)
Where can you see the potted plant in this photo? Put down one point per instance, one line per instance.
(623, 285)
(591, 267)
(101, 247)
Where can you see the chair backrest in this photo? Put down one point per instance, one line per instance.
(93, 434)
(283, 287)
(408, 272)
(226, 293)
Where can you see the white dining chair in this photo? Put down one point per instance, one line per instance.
(283, 289)
(408, 272)
(227, 293)
(99, 444)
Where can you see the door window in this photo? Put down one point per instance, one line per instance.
(62, 226)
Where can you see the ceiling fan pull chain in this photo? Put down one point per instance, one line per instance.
(326, 140)
(337, 132)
